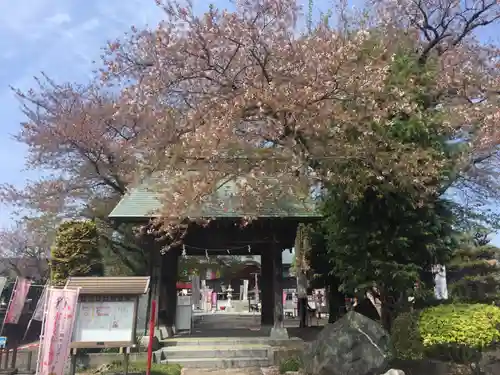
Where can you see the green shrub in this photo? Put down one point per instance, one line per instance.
(449, 332)
(459, 332)
(75, 252)
(290, 364)
(405, 336)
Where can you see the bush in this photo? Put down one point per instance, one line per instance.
(459, 332)
(290, 364)
(406, 340)
(449, 332)
(75, 252)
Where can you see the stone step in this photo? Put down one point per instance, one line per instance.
(213, 341)
(215, 351)
(229, 318)
(219, 363)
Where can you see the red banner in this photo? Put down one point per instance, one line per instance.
(17, 301)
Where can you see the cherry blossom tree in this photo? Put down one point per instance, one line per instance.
(87, 152)
(253, 97)
(24, 250)
(246, 95)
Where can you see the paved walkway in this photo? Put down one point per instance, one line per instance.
(218, 325)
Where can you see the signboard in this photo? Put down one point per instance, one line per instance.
(105, 321)
(3, 342)
(16, 304)
(57, 329)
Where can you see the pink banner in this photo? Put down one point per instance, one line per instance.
(17, 301)
(57, 330)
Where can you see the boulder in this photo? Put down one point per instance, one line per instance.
(490, 362)
(353, 345)
(393, 371)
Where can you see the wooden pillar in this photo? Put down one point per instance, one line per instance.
(278, 316)
(266, 285)
(169, 275)
(278, 331)
(155, 272)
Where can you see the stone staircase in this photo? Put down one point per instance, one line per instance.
(216, 352)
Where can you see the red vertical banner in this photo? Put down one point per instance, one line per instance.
(17, 301)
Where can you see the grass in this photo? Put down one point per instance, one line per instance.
(156, 368)
(290, 364)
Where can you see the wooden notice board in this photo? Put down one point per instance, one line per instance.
(106, 320)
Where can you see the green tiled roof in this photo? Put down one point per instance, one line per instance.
(142, 202)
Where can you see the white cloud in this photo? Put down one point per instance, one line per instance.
(58, 19)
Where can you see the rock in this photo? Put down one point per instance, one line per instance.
(144, 342)
(394, 372)
(426, 366)
(490, 362)
(353, 345)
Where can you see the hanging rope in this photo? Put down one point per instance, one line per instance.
(225, 250)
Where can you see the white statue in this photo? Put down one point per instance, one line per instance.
(229, 295)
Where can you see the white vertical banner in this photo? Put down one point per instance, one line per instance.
(256, 292)
(195, 291)
(3, 281)
(440, 284)
(38, 313)
(245, 290)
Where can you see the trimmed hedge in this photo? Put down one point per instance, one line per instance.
(451, 332)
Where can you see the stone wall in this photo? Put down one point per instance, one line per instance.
(84, 361)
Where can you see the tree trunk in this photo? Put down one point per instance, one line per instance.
(302, 298)
(336, 300)
(386, 317)
(302, 310)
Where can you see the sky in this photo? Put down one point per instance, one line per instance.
(61, 38)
